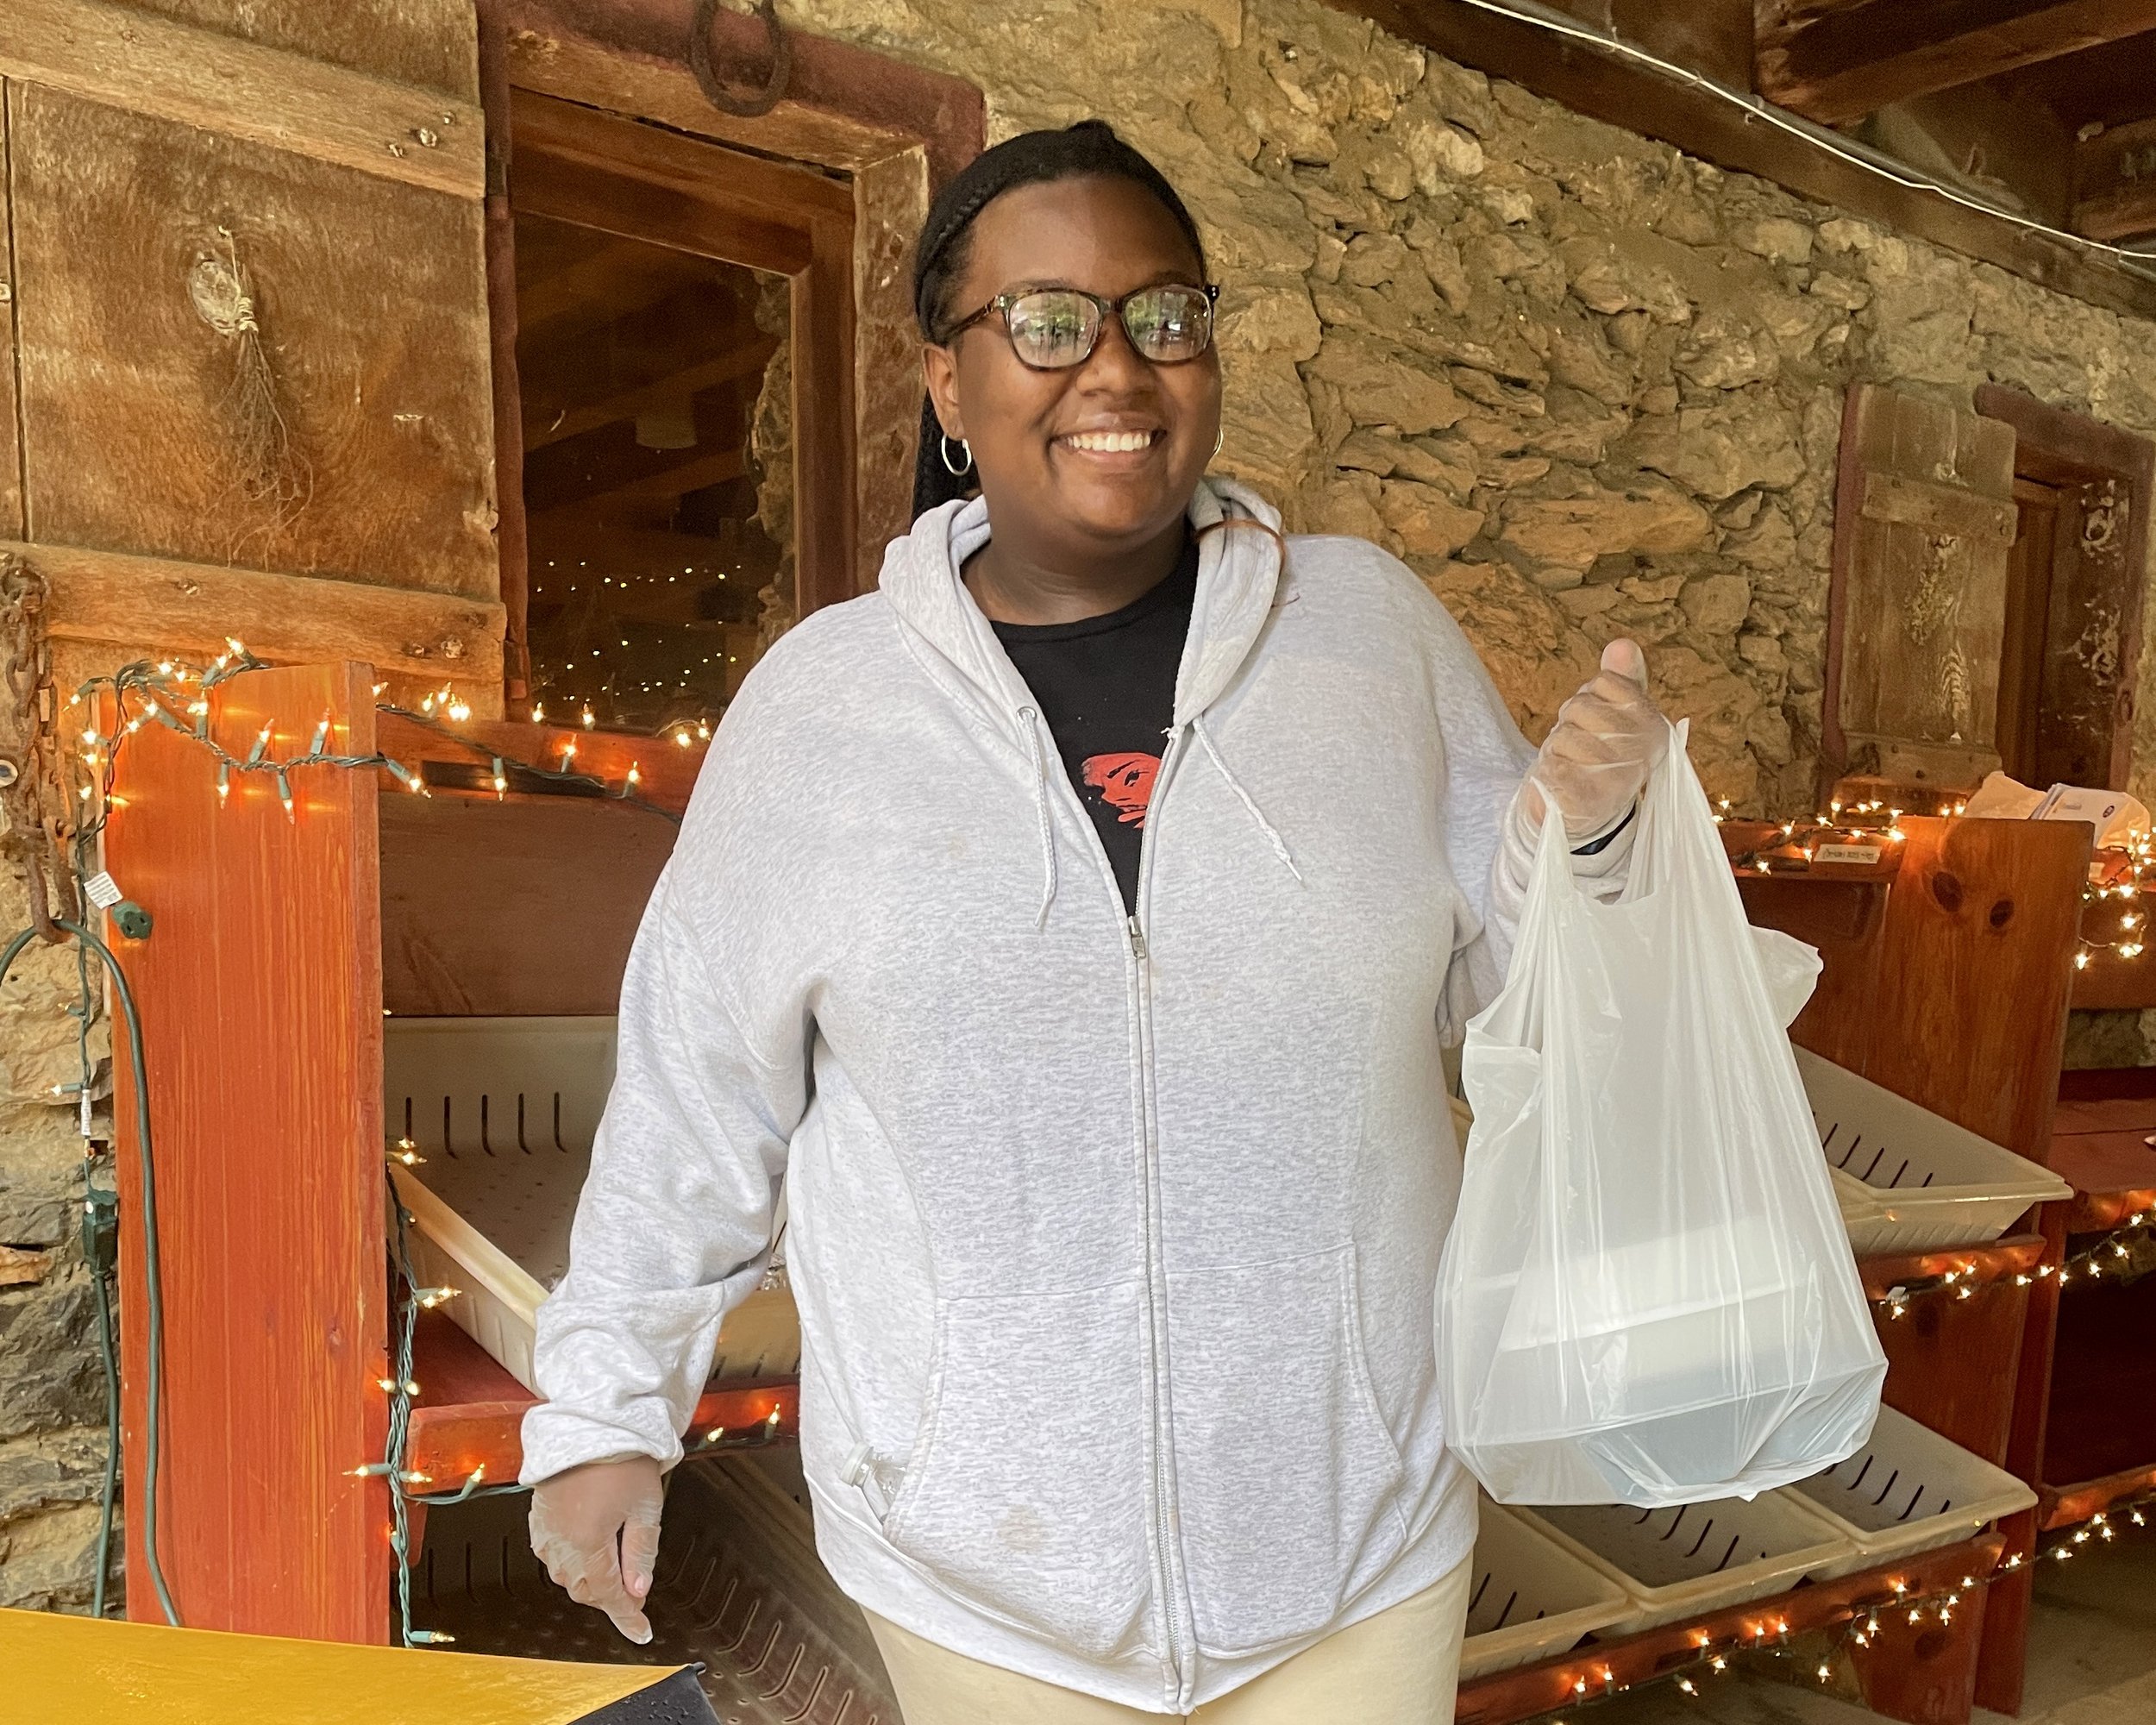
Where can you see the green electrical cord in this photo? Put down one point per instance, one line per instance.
(112, 1437)
(156, 1301)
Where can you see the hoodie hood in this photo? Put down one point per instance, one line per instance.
(1240, 572)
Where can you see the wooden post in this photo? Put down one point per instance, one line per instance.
(260, 988)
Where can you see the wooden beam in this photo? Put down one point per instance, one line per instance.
(734, 363)
(134, 59)
(2115, 182)
(1839, 60)
(1590, 81)
(155, 602)
(609, 462)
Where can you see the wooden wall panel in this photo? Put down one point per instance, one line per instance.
(468, 882)
(370, 296)
(1924, 516)
(429, 43)
(12, 524)
(260, 990)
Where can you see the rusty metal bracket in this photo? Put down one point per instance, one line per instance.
(774, 83)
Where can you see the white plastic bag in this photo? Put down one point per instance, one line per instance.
(1648, 1296)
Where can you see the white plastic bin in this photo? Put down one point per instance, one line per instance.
(1909, 1180)
(1531, 1598)
(1678, 1563)
(503, 1111)
(1910, 1490)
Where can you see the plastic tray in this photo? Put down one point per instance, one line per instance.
(1532, 1599)
(1678, 1563)
(1910, 1490)
(1909, 1180)
(503, 1111)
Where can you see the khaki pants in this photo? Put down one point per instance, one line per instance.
(1397, 1668)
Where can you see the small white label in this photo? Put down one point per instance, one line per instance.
(1865, 854)
(105, 892)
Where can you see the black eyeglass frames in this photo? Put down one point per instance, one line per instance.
(1054, 328)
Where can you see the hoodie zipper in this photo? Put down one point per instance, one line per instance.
(1174, 1585)
(1168, 1574)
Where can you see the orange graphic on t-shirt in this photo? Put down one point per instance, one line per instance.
(1125, 783)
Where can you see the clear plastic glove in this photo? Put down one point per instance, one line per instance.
(1607, 738)
(596, 1528)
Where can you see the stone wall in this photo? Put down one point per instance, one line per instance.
(1585, 385)
(52, 1385)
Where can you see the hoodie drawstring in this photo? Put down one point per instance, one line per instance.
(1033, 723)
(1249, 805)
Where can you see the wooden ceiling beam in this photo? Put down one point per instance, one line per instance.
(747, 360)
(1593, 82)
(2115, 183)
(1842, 59)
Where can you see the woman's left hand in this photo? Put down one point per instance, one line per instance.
(1607, 738)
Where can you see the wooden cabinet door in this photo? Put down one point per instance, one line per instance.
(1924, 519)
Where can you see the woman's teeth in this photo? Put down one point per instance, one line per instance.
(1109, 443)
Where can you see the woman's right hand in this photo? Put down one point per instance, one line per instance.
(596, 1528)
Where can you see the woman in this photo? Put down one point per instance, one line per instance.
(1073, 924)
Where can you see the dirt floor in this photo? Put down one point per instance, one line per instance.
(2092, 1661)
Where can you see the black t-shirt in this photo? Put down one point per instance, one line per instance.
(1106, 686)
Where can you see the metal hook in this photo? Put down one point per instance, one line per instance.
(775, 80)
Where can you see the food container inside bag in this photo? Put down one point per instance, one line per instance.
(1905, 1179)
(1647, 1296)
(1531, 1598)
(1696, 1557)
(502, 1110)
(1908, 1490)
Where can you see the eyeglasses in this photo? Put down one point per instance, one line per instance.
(1052, 329)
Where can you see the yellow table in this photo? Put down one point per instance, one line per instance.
(77, 1671)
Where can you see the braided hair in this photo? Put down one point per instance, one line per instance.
(1088, 149)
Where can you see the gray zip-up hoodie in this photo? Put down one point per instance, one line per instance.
(1115, 1238)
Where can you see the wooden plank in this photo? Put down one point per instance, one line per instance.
(260, 993)
(190, 608)
(1929, 1346)
(845, 106)
(1950, 509)
(666, 766)
(2115, 182)
(11, 522)
(465, 878)
(1590, 81)
(2070, 1505)
(592, 197)
(1560, 1684)
(825, 502)
(370, 299)
(422, 42)
(124, 57)
(890, 203)
(512, 542)
(1838, 60)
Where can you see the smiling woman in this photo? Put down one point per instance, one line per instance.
(1091, 1012)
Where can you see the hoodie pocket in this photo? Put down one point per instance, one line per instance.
(1026, 1492)
(1288, 1481)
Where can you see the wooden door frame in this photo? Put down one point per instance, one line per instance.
(2057, 447)
(885, 131)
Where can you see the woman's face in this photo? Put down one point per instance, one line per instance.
(1034, 434)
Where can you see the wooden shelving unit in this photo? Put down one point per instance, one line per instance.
(279, 946)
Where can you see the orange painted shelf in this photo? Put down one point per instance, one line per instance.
(468, 1413)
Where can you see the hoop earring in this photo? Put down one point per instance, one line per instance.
(957, 469)
(1219, 436)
